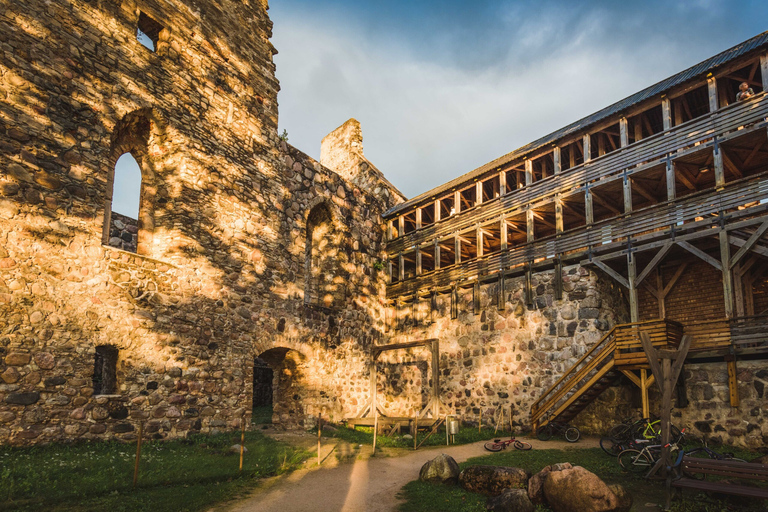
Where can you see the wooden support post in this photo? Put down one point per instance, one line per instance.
(624, 134)
(432, 307)
(528, 286)
(479, 192)
(457, 250)
(671, 190)
(556, 159)
(558, 278)
(504, 234)
(319, 435)
(418, 218)
(438, 213)
(476, 298)
(138, 454)
(712, 90)
(418, 261)
(375, 429)
(733, 383)
(437, 255)
(529, 224)
(638, 128)
(479, 240)
(435, 388)
(588, 211)
(502, 183)
(644, 393)
(725, 257)
(660, 291)
(401, 267)
(528, 172)
(738, 290)
(501, 303)
(634, 305)
(764, 70)
(586, 148)
(558, 214)
(454, 302)
(718, 162)
(666, 113)
(627, 193)
(456, 202)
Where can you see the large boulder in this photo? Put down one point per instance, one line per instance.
(442, 469)
(577, 490)
(492, 480)
(536, 482)
(511, 500)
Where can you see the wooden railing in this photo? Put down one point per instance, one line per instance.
(742, 334)
(620, 346)
(693, 135)
(608, 234)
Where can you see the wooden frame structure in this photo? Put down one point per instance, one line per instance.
(434, 405)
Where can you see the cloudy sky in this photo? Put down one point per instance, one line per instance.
(441, 88)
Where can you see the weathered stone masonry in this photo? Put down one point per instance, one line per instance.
(219, 277)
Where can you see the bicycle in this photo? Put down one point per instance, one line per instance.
(497, 445)
(545, 433)
(636, 461)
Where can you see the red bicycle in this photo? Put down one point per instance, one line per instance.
(497, 445)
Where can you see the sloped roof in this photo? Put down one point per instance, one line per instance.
(699, 69)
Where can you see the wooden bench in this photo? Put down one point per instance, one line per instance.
(722, 468)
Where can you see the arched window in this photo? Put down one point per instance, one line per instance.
(126, 196)
(129, 208)
(324, 285)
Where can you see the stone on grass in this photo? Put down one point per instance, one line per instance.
(536, 483)
(442, 469)
(492, 480)
(577, 490)
(235, 448)
(511, 500)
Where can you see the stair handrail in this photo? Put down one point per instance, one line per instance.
(573, 369)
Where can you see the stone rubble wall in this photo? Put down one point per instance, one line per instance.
(123, 232)
(220, 274)
(496, 359)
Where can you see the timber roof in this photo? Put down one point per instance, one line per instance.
(699, 69)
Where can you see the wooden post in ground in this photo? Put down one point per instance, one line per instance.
(319, 433)
(480, 422)
(242, 441)
(415, 430)
(138, 455)
(375, 427)
(666, 375)
(447, 433)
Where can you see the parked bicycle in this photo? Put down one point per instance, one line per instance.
(644, 428)
(497, 445)
(642, 460)
(554, 428)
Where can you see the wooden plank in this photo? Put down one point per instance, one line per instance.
(615, 275)
(749, 244)
(655, 261)
(712, 92)
(733, 383)
(725, 257)
(701, 254)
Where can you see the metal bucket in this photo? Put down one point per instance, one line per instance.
(453, 426)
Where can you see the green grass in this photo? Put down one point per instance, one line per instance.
(424, 497)
(262, 415)
(364, 435)
(181, 475)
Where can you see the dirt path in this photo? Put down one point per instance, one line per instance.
(367, 484)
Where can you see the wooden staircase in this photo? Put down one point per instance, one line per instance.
(619, 350)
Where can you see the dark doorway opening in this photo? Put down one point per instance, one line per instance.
(263, 377)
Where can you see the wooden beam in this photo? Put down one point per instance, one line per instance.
(733, 383)
(666, 113)
(701, 254)
(530, 233)
(655, 261)
(749, 244)
(764, 70)
(719, 170)
(712, 91)
(588, 210)
(556, 160)
(528, 172)
(673, 281)
(660, 298)
(604, 203)
(627, 187)
(476, 298)
(615, 275)
(634, 378)
(738, 242)
(501, 303)
(587, 152)
(634, 303)
(670, 175)
(685, 176)
(623, 134)
(558, 279)
(755, 151)
(725, 257)
(558, 214)
(529, 286)
(728, 163)
(502, 183)
(454, 302)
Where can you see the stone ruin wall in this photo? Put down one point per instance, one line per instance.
(220, 276)
(500, 359)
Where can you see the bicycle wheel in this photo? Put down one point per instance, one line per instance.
(523, 445)
(610, 446)
(652, 430)
(544, 433)
(634, 461)
(493, 447)
(620, 432)
(572, 434)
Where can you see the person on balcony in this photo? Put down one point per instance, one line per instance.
(745, 91)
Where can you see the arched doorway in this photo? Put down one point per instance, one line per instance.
(277, 379)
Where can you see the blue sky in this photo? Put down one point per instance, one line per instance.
(441, 88)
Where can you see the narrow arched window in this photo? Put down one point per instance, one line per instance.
(126, 198)
(324, 284)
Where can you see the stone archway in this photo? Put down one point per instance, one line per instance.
(288, 386)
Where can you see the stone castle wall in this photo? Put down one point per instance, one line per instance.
(492, 359)
(219, 277)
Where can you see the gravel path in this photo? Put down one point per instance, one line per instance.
(366, 484)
